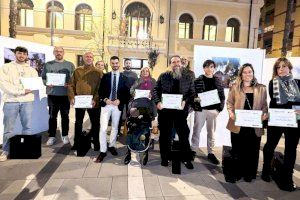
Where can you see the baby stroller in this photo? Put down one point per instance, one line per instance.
(141, 112)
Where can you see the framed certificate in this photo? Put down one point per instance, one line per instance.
(83, 101)
(297, 107)
(209, 98)
(248, 118)
(282, 118)
(172, 101)
(56, 79)
(32, 83)
(141, 94)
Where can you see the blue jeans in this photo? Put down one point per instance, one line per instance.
(11, 112)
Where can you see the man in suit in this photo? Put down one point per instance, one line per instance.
(112, 95)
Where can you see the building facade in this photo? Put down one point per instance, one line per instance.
(132, 28)
(272, 25)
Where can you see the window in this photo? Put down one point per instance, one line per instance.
(58, 15)
(210, 28)
(83, 17)
(232, 30)
(185, 27)
(25, 13)
(268, 45)
(138, 19)
(269, 18)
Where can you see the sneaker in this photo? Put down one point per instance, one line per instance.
(3, 156)
(65, 139)
(51, 141)
(213, 159)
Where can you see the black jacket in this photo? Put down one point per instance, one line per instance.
(200, 87)
(105, 90)
(164, 85)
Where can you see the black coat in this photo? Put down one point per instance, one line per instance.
(105, 90)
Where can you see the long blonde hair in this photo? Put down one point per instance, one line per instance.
(239, 80)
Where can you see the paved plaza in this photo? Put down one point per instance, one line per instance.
(59, 174)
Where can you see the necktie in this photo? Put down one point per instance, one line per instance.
(114, 89)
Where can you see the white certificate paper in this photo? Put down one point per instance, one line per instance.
(56, 79)
(209, 98)
(282, 117)
(83, 101)
(248, 118)
(141, 94)
(172, 101)
(32, 83)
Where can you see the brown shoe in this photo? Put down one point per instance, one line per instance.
(100, 157)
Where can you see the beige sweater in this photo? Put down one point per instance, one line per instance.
(10, 82)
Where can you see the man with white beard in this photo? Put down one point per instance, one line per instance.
(176, 81)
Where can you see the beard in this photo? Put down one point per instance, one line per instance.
(177, 73)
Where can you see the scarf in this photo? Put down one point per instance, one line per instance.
(285, 89)
(146, 83)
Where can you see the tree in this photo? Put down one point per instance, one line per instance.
(13, 12)
(287, 27)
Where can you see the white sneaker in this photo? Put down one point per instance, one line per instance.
(3, 156)
(65, 139)
(51, 141)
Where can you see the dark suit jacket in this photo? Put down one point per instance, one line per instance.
(105, 90)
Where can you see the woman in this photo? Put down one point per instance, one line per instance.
(284, 94)
(100, 65)
(246, 94)
(145, 82)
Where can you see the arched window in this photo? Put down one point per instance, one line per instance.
(25, 13)
(58, 15)
(210, 28)
(232, 30)
(83, 17)
(138, 18)
(185, 26)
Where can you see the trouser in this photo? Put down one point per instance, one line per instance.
(94, 114)
(11, 112)
(245, 147)
(208, 116)
(62, 104)
(107, 112)
(290, 150)
(167, 119)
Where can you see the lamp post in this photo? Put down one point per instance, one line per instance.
(51, 22)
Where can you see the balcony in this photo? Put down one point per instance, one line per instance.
(134, 44)
(23, 30)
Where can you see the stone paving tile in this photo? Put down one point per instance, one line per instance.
(50, 190)
(112, 167)
(71, 167)
(13, 190)
(191, 197)
(119, 187)
(92, 170)
(86, 188)
(152, 187)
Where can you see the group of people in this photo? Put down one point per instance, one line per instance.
(112, 92)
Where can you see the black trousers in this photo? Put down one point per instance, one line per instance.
(94, 114)
(56, 104)
(167, 119)
(290, 150)
(245, 147)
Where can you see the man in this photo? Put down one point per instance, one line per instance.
(112, 94)
(58, 95)
(86, 81)
(17, 99)
(186, 66)
(131, 77)
(208, 114)
(175, 81)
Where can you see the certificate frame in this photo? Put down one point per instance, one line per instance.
(172, 101)
(83, 101)
(282, 118)
(248, 118)
(209, 98)
(62, 76)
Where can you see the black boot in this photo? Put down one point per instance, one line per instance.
(265, 174)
